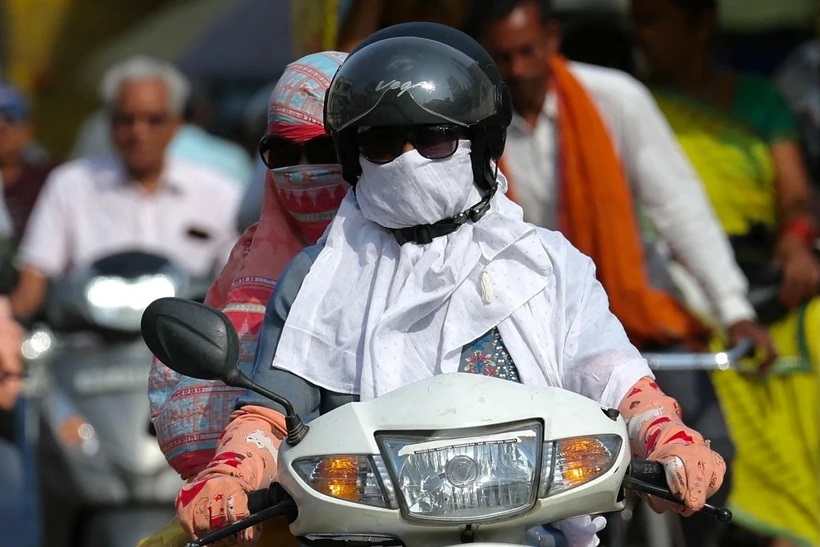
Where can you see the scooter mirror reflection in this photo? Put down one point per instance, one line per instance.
(191, 338)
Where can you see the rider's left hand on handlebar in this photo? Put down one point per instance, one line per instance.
(759, 337)
(694, 472)
(653, 421)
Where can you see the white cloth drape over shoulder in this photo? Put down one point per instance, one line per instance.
(373, 315)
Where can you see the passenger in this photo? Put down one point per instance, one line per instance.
(302, 191)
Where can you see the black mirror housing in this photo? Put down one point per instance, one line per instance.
(193, 339)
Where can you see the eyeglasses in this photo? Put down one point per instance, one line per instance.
(5, 375)
(123, 119)
(10, 119)
(278, 152)
(384, 144)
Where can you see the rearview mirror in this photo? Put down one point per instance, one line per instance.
(191, 338)
(199, 341)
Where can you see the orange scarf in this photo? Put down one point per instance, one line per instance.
(597, 215)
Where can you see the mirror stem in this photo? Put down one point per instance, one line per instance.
(296, 428)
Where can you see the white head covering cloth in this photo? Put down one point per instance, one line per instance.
(373, 315)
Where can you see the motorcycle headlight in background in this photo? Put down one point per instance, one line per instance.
(118, 303)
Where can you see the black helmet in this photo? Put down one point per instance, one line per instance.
(470, 47)
(421, 74)
(414, 74)
(409, 81)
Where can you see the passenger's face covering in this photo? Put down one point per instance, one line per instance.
(413, 190)
(311, 195)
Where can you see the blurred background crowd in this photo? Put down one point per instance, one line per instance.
(55, 53)
(62, 98)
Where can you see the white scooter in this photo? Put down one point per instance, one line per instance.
(457, 458)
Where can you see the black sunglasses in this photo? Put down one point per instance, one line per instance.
(278, 152)
(4, 375)
(384, 144)
(156, 119)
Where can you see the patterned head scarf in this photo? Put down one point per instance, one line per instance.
(309, 193)
(298, 204)
(295, 109)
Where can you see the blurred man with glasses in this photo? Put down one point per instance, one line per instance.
(137, 198)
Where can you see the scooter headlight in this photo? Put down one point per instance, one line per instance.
(463, 476)
(458, 476)
(118, 303)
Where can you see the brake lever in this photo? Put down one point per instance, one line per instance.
(723, 514)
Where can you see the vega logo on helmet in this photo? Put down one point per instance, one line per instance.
(403, 86)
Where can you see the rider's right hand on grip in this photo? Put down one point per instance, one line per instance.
(212, 502)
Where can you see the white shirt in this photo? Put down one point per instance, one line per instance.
(89, 208)
(666, 187)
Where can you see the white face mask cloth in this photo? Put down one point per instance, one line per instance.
(373, 315)
(413, 190)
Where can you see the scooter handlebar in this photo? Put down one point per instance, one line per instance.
(259, 500)
(722, 360)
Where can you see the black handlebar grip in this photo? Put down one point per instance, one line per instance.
(259, 500)
(649, 472)
(649, 477)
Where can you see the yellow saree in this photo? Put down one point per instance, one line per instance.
(774, 421)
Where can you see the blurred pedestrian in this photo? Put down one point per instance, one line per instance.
(22, 179)
(137, 198)
(742, 140)
(192, 141)
(19, 511)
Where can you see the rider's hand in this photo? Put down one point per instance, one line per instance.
(801, 272)
(581, 531)
(759, 337)
(653, 422)
(215, 501)
(694, 472)
(245, 460)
